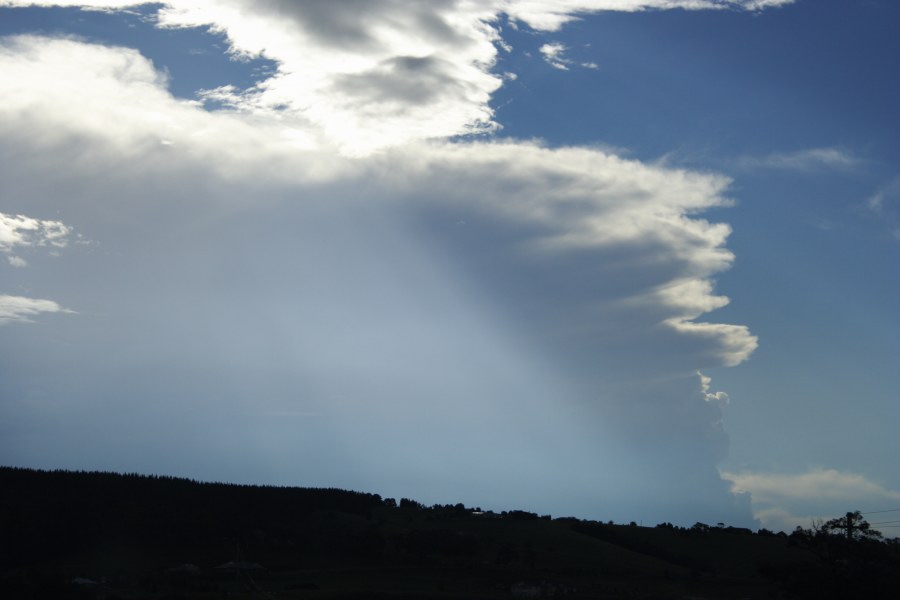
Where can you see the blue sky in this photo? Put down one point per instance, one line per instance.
(460, 254)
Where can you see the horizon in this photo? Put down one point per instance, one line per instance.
(388, 500)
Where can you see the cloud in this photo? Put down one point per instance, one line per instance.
(19, 231)
(813, 159)
(777, 498)
(546, 15)
(365, 75)
(884, 204)
(885, 199)
(816, 483)
(541, 303)
(554, 55)
(567, 201)
(18, 309)
(709, 396)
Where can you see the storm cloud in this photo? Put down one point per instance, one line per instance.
(439, 320)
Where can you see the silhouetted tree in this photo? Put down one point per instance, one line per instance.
(407, 503)
(852, 526)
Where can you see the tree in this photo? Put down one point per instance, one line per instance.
(852, 561)
(852, 526)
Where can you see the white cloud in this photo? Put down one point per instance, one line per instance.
(548, 15)
(779, 519)
(18, 309)
(364, 74)
(884, 205)
(816, 483)
(553, 53)
(804, 160)
(708, 395)
(20, 231)
(761, 4)
(367, 75)
(729, 345)
(886, 198)
(785, 500)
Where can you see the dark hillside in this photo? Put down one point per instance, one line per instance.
(104, 535)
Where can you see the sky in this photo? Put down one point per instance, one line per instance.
(629, 260)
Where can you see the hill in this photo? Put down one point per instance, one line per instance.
(103, 535)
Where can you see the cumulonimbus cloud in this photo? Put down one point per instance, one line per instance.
(405, 265)
(568, 201)
(632, 221)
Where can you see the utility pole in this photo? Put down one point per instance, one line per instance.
(849, 526)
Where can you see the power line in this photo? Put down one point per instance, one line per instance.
(876, 512)
(884, 522)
